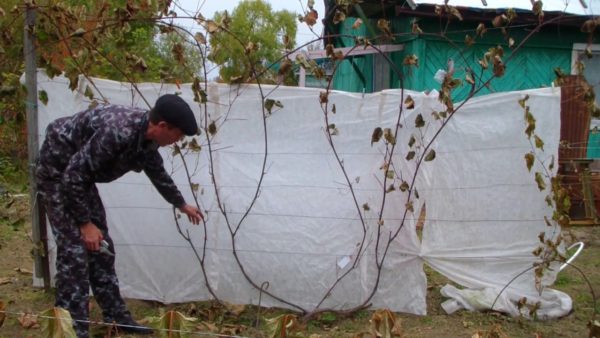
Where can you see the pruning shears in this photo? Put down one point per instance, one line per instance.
(104, 248)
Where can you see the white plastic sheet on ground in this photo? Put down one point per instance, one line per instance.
(484, 211)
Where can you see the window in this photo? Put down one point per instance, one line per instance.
(592, 65)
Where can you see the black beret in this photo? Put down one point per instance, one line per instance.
(174, 110)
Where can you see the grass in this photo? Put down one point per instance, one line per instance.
(19, 296)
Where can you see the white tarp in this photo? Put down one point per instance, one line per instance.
(484, 211)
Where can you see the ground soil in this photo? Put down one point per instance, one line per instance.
(22, 301)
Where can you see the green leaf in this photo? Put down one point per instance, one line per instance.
(404, 186)
(57, 323)
(529, 159)
(430, 156)
(551, 166)
(43, 96)
(376, 136)
(419, 121)
(410, 155)
(539, 179)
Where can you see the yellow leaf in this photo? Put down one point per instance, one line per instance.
(389, 137)
(511, 42)
(411, 141)
(469, 40)
(409, 103)
(311, 17)
(282, 326)
(469, 79)
(454, 11)
(57, 322)
(539, 179)
(430, 156)
(212, 128)
(211, 26)
(199, 37)
(481, 30)
(416, 29)
(523, 100)
(323, 97)
(176, 321)
(411, 60)
(537, 8)
(357, 23)
(529, 159)
(539, 143)
(376, 136)
(235, 309)
(483, 63)
(339, 16)
(419, 121)
(385, 324)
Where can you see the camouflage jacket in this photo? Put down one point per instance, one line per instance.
(100, 145)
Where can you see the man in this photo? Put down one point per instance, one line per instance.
(100, 145)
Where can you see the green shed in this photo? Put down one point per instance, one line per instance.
(557, 45)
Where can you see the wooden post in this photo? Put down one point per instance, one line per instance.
(39, 238)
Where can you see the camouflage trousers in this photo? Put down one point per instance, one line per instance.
(77, 268)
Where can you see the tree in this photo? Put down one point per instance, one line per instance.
(13, 144)
(251, 39)
(114, 39)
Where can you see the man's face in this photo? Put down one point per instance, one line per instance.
(168, 134)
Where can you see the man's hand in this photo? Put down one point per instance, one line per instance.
(193, 214)
(91, 236)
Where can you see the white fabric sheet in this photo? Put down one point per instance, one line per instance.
(484, 211)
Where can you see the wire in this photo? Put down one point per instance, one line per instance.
(199, 333)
